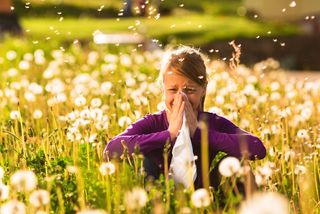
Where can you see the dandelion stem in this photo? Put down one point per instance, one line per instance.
(204, 154)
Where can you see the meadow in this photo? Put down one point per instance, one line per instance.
(59, 106)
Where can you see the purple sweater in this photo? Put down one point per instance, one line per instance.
(151, 133)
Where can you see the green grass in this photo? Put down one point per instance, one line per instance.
(190, 28)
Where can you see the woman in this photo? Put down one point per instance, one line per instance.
(184, 80)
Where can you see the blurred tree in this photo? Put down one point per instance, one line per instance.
(9, 22)
(127, 8)
(303, 12)
(140, 7)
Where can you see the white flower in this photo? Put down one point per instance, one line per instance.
(125, 106)
(124, 120)
(303, 134)
(85, 114)
(24, 65)
(39, 57)
(300, 169)
(275, 96)
(265, 203)
(111, 58)
(37, 114)
(14, 115)
(130, 82)
(274, 86)
(105, 88)
(24, 180)
(55, 86)
(96, 114)
(200, 198)
(92, 58)
(12, 72)
(92, 138)
(229, 166)
(136, 198)
(71, 169)
(11, 55)
(107, 168)
(125, 60)
(35, 88)
(4, 192)
(80, 101)
(220, 99)
(29, 96)
(39, 198)
(13, 207)
(306, 112)
(96, 102)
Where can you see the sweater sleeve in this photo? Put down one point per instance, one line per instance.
(143, 134)
(227, 137)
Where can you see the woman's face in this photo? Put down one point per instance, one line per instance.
(175, 83)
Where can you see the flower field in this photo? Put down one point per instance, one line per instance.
(59, 106)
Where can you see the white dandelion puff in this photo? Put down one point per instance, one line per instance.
(24, 180)
(13, 207)
(96, 102)
(303, 134)
(80, 101)
(37, 114)
(4, 192)
(107, 168)
(229, 166)
(39, 198)
(11, 55)
(300, 170)
(15, 115)
(260, 203)
(136, 198)
(124, 120)
(201, 198)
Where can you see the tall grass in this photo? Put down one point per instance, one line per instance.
(60, 107)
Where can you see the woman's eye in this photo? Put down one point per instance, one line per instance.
(172, 89)
(190, 90)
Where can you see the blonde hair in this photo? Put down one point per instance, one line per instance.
(187, 61)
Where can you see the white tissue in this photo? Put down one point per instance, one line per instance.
(182, 163)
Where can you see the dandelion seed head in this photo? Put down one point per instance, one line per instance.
(300, 169)
(260, 203)
(39, 198)
(124, 120)
(136, 198)
(229, 166)
(37, 114)
(72, 169)
(15, 115)
(107, 168)
(80, 101)
(24, 181)
(303, 134)
(13, 207)
(200, 198)
(11, 55)
(4, 192)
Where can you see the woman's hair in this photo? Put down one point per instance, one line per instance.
(187, 61)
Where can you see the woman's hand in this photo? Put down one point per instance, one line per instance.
(191, 115)
(175, 116)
